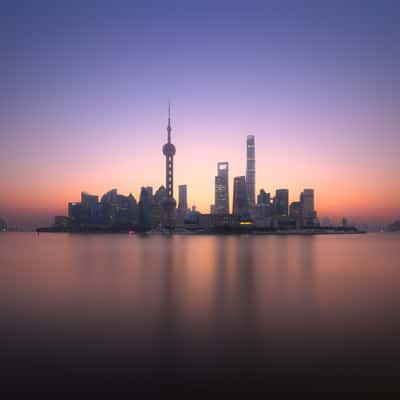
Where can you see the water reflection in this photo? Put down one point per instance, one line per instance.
(225, 301)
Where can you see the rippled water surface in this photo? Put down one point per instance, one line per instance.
(250, 312)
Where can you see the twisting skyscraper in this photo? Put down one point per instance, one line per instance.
(169, 203)
(251, 171)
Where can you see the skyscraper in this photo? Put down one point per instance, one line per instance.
(182, 202)
(222, 189)
(169, 203)
(91, 202)
(281, 202)
(156, 212)
(307, 206)
(145, 208)
(307, 201)
(263, 197)
(240, 198)
(251, 170)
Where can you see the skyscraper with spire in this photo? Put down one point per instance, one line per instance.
(169, 203)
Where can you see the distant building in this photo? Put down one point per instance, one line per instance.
(110, 196)
(3, 225)
(263, 197)
(307, 201)
(251, 170)
(133, 209)
(393, 227)
(79, 214)
(61, 221)
(261, 214)
(91, 202)
(281, 202)
(205, 220)
(326, 222)
(118, 210)
(296, 213)
(192, 217)
(295, 210)
(222, 189)
(212, 208)
(159, 196)
(156, 210)
(149, 190)
(307, 205)
(240, 199)
(145, 209)
(182, 199)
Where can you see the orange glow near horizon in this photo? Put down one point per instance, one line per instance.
(340, 189)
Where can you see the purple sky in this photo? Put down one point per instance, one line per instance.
(85, 86)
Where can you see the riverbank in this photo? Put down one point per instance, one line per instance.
(205, 231)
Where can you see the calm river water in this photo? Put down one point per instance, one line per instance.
(219, 312)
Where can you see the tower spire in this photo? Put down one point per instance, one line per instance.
(169, 203)
(169, 129)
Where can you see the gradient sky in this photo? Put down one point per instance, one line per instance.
(85, 87)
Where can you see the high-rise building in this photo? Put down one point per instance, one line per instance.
(149, 189)
(91, 202)
(240, 199)
(295, 210)
(307, 206)
(222, 189)
(281, 202)
(307, 201)
(156, 212)
(182, 202)
(169, 203)
(251, 170)
(145, 209)
(117, 209)
(78, 213)
(263, 197)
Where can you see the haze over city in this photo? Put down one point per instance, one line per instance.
(85, 90)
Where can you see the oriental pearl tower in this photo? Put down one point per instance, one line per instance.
(169, 203)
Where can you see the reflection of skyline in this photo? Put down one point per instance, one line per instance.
(166, 278)
(222, 302)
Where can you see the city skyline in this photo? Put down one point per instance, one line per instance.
(83, 107)
(292, 195)
(158, 211)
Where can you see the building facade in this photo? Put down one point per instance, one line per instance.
(307, 205)
(145, 209)
(240, 198)
(222, 189)
(281, 202)
(251, 170)
(263, 197)
(182, 199)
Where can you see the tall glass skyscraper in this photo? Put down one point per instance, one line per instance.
(251, 170)
(182, 202)
(240, 198)
(281, 202)
(222, 189)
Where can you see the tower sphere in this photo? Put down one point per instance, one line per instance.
(169, 149)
